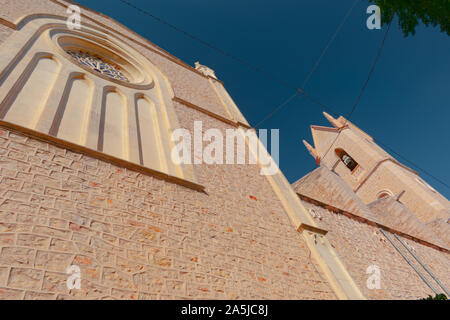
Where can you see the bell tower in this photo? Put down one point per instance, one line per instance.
(372, 172)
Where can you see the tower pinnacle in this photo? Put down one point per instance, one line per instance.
(335, 122)
(312, 151)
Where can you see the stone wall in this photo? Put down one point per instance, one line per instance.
(361, 245)
(134, 236)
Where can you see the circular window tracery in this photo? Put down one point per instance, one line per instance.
(98, 64)
(103, 57)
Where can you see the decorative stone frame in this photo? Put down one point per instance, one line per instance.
(384, 192)
(39, 82)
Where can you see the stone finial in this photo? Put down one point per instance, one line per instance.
(205, 70)
(312, 151)
(335, 122)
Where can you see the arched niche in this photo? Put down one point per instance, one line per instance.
(47, 88)
(384, 193)
(348, 161)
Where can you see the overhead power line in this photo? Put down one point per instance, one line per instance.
(211, 46)
(316, 65)
(227, 54)
(412, 163)
(364, 86)
(281, 81)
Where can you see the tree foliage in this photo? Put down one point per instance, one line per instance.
(411, 12)
(436, 297)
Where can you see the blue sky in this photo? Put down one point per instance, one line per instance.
(405, 105)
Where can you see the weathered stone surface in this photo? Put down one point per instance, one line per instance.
(361, 245)
(62, 245)
(117, 279)
(134, 236)
(4, 272)
(33, 295)
(7, 239)
(53, 261)
(33, 241)
(25, 278)
(16, 256)
(55, 282)
(52, 232)
(11, 294)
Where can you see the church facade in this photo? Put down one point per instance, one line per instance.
(88, 188)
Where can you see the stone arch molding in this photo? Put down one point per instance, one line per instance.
(43, 88)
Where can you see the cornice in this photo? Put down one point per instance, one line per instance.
(371, 223)
(211, 114)
(99, 155)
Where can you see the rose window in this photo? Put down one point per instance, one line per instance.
(99, 65)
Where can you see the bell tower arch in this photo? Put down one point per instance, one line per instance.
(370, 171)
